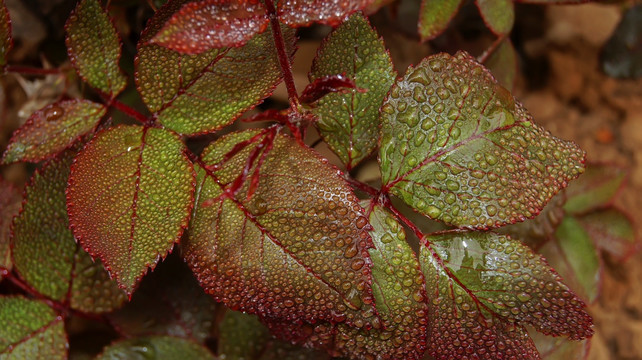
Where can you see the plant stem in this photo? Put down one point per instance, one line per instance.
(370, 190)
(128, 110)
(28, 70)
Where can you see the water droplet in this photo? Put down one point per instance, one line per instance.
(54, 112)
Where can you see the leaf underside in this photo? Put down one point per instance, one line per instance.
(499, 15)
(295, 248)
(52, 129)
(129, 197)
(10, 199)
(435, 15)
(155, 348)
(457, 147)
(6, 41)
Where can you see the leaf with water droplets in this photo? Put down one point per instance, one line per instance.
(612, 231)
(483, 287)
(10, 199)
(129, 197)
(329, 12)
(435, 15)
(499, 15)
(349, 121)
(503, 64)
(457, 147)
(290, 241)
(6, 41)
(594, 189)
(29, 329)
(194, 94)
(52, 129)
(93, 46)
(155, 348)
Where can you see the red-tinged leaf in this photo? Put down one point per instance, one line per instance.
(6, 41)
(10, 199)
(483, 287)
(212, 24)
(129, 197)
(349, 121)
(594, 189)
(499, 15)
(194, 94)
(294, 248)
(330, 12)
(29, 329)
(612, 231)
(52, 129)
(535, 232)
(93, 46)
(457, 147)
(435, 15)
(156, 348)
(168, 302)
(325, 85)
(44, 250)
(503, 64)
(555, 348)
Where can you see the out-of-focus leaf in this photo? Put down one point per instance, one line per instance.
(93, 46)
(10, 199)
(556, 348)
(435, 15)
(330, 12)
(168, 302)
(594, 189)
(6, 41)
(622, 54)
(349, 121)
(29, 329)
(129, 198)
(294, 248)
(155, 348)
(499, 15)
(194, 94)
(52, 129)
(457, 147)
(503, 64)
(612, 231)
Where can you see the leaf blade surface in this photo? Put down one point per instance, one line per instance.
(434, 16)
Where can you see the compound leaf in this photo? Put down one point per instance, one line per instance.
(329, 12)
(6, 41)
(10, 199)
(483, 286)
(435, 15)
(349, 121)
(52, 129)
(29, 329)
(594, 189)
(155, 348)
(612, 231)
(45, 252)
(294, 248)
(499, 15)
(129, 197)
(457, 147)
(93, 46)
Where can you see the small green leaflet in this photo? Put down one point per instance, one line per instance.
(6, 41)
(155, 348)
(499, 15)
(435, 15)
(349, 121)
(457, 147)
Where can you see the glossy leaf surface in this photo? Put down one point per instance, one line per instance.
(483, 286)
(94, 47)
(294, 248)
(29, 329)
(193, 94)
(499, 15)
(594, 189)
(435, 15)
(52, 129)
(349, 121)
(457, 147)
(10, 200)
(612, 231)
(129, 197)
(155, 348)
(330, 12)
(503, 64)
(6, 41)
(45, 252)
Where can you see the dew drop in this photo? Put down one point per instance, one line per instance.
(54, 113)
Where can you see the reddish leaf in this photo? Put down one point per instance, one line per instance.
(325, 85)
(594, 189)
(435, 15)
(210, 24)
(9, 206)
(482, 286)
(6, 41)
(535, 232)
(44, 250)
(52, 129)
(129, 197)
(503, 64)
(612, 231)
(93, 46)
(457, 147)
(290, 243)
(499, 15)
(29, 329)
(155, 348)
(330, 12)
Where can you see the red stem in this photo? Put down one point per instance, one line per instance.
(370, 190)
(128, 110)
(491, 49)
(28, 70)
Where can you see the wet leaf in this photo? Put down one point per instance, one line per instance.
(535, 232)
(594, 189)
(93, 46)
(457, 147)
(503, 64)
(291, 242)
(435, 15)
(193, 94)
(483, 286)
(612, 231)
(10, 199)
(6, 41)
(349, 121)
(29, 329)
(155, 348)
(45, 252)
(330, 12)
(129, 197)
(499, 15)
(52, 129)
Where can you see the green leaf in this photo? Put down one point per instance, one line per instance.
(457, 147)
(10, 200)
(499, 15)
(349, 121)
(155, 348)
(194, 94)
(594, 189)
(488, 285)
(612, 231)
(435, 15)
(6, 41)
(93, 46)
(503, 64)
(295, 248)
(52, 129)
(29, 329)
(553, 348)
(45, 252)
(129, 197)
